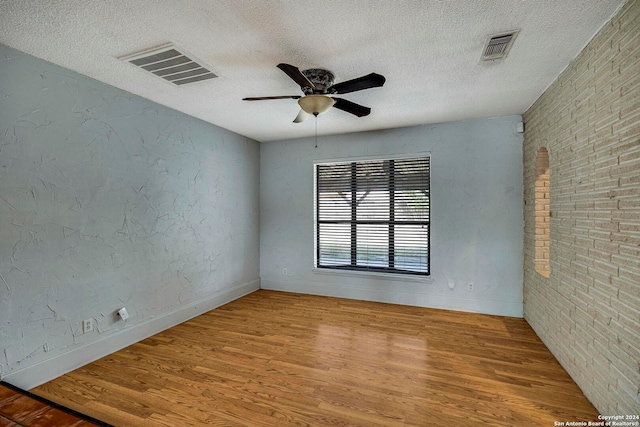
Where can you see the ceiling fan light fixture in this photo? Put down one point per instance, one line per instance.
(316, 104)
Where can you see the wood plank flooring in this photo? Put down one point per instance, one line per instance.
(283, 359)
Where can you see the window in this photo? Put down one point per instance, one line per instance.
(542, 211)
(373, 216)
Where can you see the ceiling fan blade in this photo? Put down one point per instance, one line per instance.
(352, 107)
(262, 98)
(296, 75)
(360, 83)
(301, 117)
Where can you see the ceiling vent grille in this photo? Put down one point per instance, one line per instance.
(497, 46)
(172, 64)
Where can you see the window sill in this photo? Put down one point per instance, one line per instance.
(397, 277)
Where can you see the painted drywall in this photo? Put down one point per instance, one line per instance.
(110, 200)
(476, 228)
(587, 310)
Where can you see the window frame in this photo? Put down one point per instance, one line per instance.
(352, 269)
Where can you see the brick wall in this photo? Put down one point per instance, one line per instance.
(588, 310)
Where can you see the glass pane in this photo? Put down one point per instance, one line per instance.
(372, 205)
(372, 175)
(334, 206)
(334, 244)
(412, 248)
(334, 178)
(411, 205)
(372, 245)
(411, 174)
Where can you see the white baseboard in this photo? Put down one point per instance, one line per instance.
(397, 296)
(46, 370)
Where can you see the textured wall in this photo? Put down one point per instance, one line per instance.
(110, 200)
(476, 190)
(588, 311)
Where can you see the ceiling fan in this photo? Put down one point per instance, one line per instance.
(317, 86)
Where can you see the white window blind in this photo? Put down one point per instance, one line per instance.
(374, 215)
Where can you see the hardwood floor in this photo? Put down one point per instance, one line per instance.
(282, 359)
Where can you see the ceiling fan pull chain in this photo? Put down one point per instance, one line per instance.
(316, 117)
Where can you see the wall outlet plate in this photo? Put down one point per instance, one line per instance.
(87, 325)
(123, 313)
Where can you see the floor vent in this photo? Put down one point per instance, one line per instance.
(497, 46)
(170, 63)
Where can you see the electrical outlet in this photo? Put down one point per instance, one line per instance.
(470, 286)
(285, 271)
(124, 315)
(452, 284)
(87, 325)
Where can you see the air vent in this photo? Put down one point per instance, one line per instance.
(172, 64)
(497, 46)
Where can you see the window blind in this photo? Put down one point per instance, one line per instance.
(374, 215)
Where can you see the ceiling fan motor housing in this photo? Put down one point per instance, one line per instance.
(321, 78)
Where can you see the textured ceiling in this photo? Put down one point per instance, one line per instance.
(428, 50)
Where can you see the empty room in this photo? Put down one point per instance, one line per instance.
(303, 213)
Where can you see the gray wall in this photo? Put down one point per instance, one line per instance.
(477, 217)
(109, 200)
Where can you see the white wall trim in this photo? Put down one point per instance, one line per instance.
(46, 370)
(398, 277)
(398, 296)
(391, 156)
